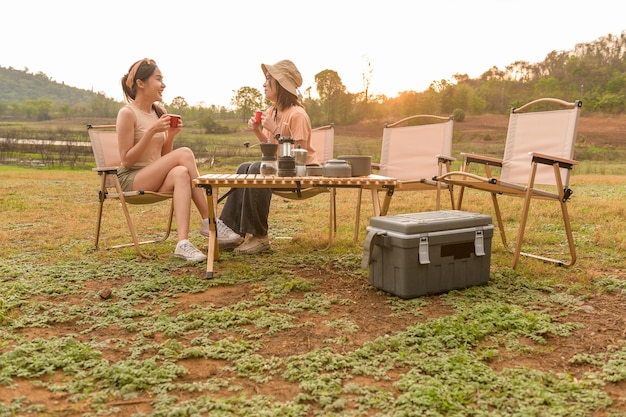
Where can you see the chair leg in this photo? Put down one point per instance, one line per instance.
(101, 198)
(496, 208)
(570, 235)
(135, 241)
(522, 228)
(131, 227)
(565, 214)
(459, 203)
(169, 223)
(566, 222)
(99, 223)
(129, 221)
(451, 190)
(386, 202)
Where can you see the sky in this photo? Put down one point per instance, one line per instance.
(208, 49)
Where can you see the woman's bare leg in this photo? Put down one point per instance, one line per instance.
(174, 172)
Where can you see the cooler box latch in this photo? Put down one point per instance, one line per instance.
(479, 243)
(423, 251)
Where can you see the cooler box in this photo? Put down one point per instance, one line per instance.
(416, 254)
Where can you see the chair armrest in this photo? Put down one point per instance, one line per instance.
(485, 160)
(551, 160)
(104, 169)
(445, 158)
(375, 166)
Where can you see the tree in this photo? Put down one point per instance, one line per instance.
(102, 106)
(40, 108)
(367, 81)
(179, 103)
(329, 87)
(247, 100)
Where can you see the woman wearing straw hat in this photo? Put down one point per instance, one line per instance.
(246, 211)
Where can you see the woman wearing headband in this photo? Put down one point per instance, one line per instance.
(149, 160)
(246, 210)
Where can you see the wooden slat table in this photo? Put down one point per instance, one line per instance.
(212, 182)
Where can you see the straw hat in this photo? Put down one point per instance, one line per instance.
(286, 73)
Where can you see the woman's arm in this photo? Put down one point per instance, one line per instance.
(257, 130)
(170, 134)
(263, 131)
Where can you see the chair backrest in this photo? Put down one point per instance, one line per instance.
(550, 132)
(105, 147)
(410, 152)
(323, 141)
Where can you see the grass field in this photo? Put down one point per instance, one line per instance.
(298, 331)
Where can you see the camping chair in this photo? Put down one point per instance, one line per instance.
(414, 154)
(323, 141)
(106, 152)
(536, 165)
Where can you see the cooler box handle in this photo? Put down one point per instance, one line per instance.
(368, 246)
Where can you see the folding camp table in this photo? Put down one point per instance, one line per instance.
(212, 182)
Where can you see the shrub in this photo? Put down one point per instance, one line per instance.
(459, 115)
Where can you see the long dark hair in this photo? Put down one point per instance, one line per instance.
(284, 99)
(140, 70)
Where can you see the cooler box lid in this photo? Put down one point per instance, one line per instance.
(430, 221)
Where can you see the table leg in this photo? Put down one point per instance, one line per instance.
(357, 217)
(332, 224)
(213, 247)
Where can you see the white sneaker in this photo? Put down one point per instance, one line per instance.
(187, 251)
(204, 228)
(226, 237)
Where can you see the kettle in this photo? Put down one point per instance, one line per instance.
(299, 156)
(336, 168)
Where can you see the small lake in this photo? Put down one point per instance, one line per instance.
(44, 142)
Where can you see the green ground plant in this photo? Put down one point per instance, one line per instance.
(299, 331)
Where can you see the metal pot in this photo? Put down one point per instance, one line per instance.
(361, 164)
(314, 171)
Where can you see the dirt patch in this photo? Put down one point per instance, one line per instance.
(601, 315)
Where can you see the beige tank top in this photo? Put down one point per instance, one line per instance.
(143, 121)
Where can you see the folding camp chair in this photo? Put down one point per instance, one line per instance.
(536, 165)
(414, 154)
(106, 152)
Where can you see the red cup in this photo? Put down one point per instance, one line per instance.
(257, 117)
(174, 120)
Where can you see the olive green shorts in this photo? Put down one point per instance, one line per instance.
(127, 176)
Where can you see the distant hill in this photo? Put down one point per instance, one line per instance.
(17, 86)
(594, 72)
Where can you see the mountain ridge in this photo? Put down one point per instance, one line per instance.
(17, 86)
